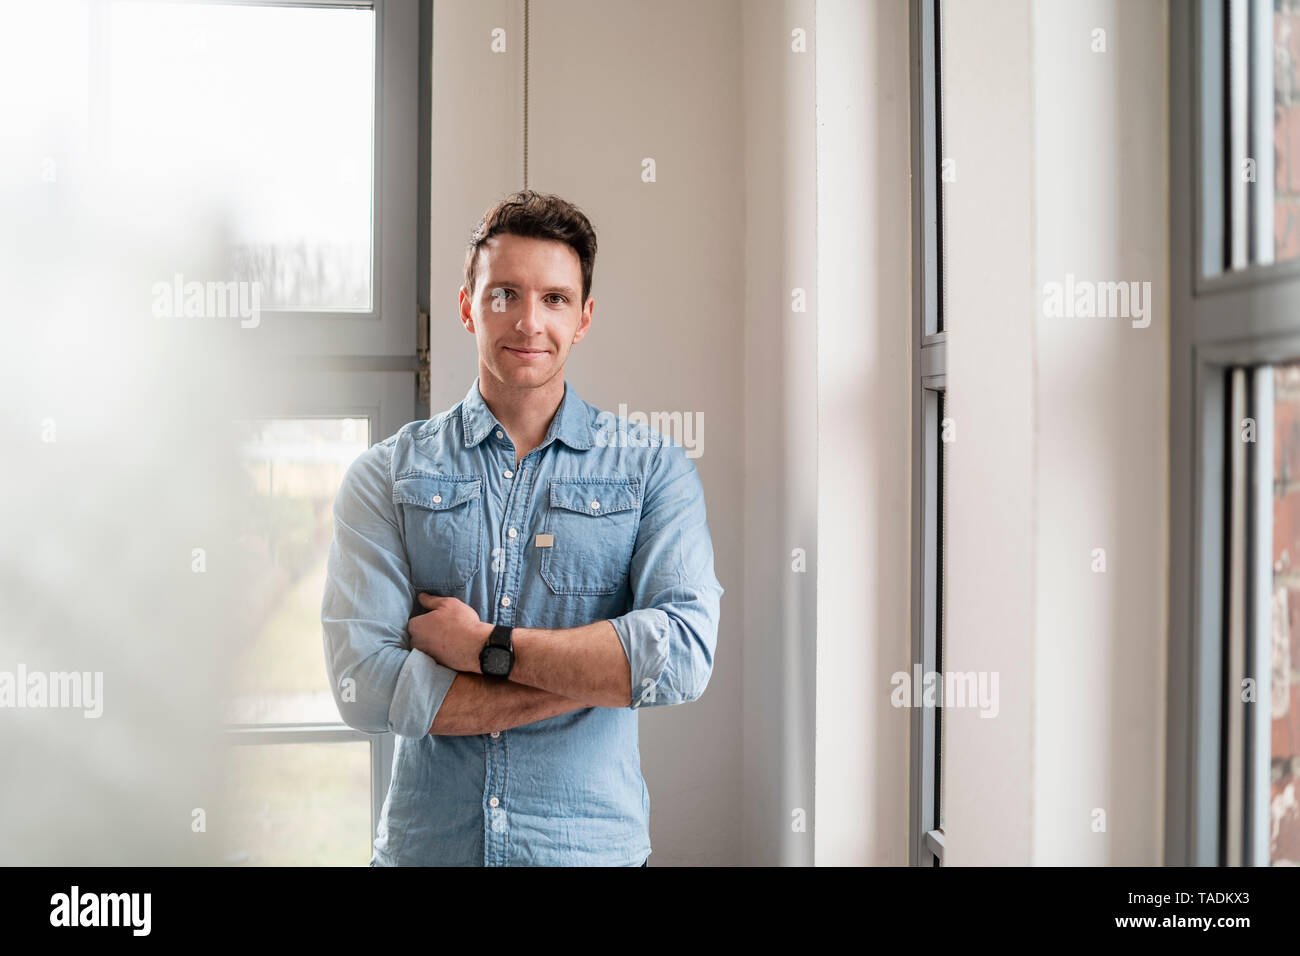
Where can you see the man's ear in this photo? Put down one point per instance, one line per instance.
(585, 323)
(466, 310)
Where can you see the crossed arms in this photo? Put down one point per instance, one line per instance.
(555, 671)
(414, 676)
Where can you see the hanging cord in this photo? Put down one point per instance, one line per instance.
(526, 4)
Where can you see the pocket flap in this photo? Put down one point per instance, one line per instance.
(595, 496)
(437, 492)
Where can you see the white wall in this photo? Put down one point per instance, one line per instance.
(1061, 431)
(695, 314)
(612, 83)
(988, 782)
(864, 370)
(780, 619)
(1102, 385)
(1060, 428)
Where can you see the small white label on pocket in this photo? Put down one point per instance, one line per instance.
(544, 540)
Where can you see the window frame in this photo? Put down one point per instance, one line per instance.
(1219, 324)
(386, 328)
(357, 364)
(345, 363)
(929, 378)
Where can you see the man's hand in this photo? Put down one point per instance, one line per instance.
(450, 632)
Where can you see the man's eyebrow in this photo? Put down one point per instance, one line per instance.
(511, 284)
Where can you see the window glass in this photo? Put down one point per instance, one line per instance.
(295, 805)
(1251, 207)
(1285, 60)
(263, 117)
(294, 467)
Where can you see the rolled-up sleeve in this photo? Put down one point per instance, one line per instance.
(380, 684)
(671, 633)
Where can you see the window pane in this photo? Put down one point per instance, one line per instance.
(1284, 671)
(1285, 60)
(294, 466)
(263, 115)
(296, 805)
(1257, 114)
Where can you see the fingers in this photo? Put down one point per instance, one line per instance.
(428, 600)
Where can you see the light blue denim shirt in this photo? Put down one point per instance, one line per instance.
(440, 507)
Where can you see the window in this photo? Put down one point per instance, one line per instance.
(294, 467)
(288, 135)
(1260, 748)
(268, 154)
(1252, 213)
(929, 432)
(1235, 308)
(300, 804)
(265, 112)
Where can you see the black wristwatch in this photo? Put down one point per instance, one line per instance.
(498, 654)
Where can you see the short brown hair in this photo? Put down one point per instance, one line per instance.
(535, 215)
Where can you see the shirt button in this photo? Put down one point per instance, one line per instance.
(496, 734)
(513, 533)
(509, 474)
(493, 802)
(595, 505)
(499, 433)
(437, 498)
(505, 601)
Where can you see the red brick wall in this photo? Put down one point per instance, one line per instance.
(1284, 843)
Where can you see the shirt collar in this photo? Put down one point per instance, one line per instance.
(570, 424)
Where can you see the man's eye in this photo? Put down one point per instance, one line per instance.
(557, 295)
(501, 293)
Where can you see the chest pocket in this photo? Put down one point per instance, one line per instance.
(594, 523)
(442, 521)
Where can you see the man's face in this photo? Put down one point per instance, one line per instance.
(526, 311)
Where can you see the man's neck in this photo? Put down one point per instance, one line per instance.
(525, 413)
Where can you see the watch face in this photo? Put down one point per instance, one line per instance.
(495, 660)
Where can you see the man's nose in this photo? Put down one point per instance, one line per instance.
(529, 321)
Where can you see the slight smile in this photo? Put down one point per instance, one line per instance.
(526, 353)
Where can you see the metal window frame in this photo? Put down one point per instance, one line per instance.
(1244, 782)
(387, 328)
(929, 377)
(1195, 73)
(1246, 319)
(365, 365)
(350, 363)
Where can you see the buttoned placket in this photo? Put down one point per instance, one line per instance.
(496, 834)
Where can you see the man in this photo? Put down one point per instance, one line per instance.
(560, 570)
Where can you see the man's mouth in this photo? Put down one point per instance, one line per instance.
(526, 351)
